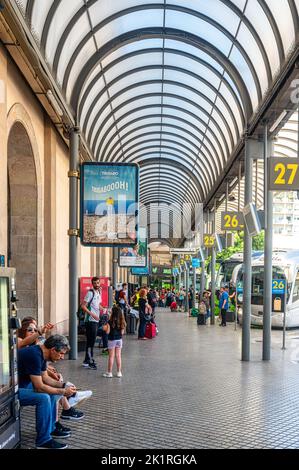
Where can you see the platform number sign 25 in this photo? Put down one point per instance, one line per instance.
(283, 174)
(209, 240)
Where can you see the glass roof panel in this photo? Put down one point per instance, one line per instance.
(192, 50)
(250, 45)
(136, 91)
(284, 21)
(137, 20)
(215, 9)
(76, 35)
(189, 95)
(132, 47)
(86, 51)
(233, 105)
(93, 94)
(134, 78)
(258, 18)
(39, 16)
(193, 25)
(192, 66)
(59, 22)
(227, 117)
(243, 68)
(131, 63)
(192, 108)
(140, 101)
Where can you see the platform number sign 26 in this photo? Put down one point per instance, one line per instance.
(283, 174)
(231, 221)
(209, 240)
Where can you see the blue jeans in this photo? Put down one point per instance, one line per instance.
(45, 412)
(208, 314)
(142, 326)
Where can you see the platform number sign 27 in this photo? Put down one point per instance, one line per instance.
(209, 240)
(283, 174)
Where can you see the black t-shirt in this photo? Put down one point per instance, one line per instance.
(30, 362)
(115, 333)
(142, 304)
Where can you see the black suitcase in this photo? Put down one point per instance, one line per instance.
(230, 316)
(131, 324)
(201, 319)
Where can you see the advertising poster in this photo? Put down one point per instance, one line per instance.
(136, 256)
(109, 204)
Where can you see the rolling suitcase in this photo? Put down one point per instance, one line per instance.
(201, 319)
(131, 324)
(150, 330)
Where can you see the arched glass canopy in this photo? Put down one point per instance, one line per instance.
(169, 84)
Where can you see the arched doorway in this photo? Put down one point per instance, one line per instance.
(22, 218)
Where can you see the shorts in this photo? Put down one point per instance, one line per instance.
(116, 343)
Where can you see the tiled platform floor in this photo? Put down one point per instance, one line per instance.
(187, 388)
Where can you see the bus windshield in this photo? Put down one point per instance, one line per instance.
(225, 273)
(257, 287)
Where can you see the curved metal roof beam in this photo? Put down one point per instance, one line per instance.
(191, 144)
(181, 9)
(201, 161)
(199, 182)
(157, 32)
(166, 67)
(159, 116)
(164, 187)
(177, 108)
(175, 97)
(149, 174)
(151, 82)
(180, 167)
(180, 155)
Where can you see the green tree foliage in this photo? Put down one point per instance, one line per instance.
(257, 244)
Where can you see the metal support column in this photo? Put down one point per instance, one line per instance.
(185, 286)
(226, 209)
(180, 278)
(268, 205)
(194, 287)
(114, 267)
(213, 270)
(73, 241)
(246, 320)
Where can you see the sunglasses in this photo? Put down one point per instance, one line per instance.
(32, 330)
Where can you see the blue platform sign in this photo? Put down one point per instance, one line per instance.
(140, 271)
(278, 286)
(2, 261)
(195, 263)
(240, 287)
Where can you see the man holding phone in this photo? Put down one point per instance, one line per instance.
(37, 388)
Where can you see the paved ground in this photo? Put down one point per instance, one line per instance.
(187, 388)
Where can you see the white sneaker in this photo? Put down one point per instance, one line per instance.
(79, 397)
(119, 374)
(108, 375)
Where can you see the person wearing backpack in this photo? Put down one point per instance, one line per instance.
(181, 298)
(92, 306)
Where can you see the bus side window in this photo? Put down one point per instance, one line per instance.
(296, 288)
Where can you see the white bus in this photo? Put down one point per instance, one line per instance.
(285, 266)
(225, 272)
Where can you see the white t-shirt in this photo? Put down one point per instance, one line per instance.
(95, 304)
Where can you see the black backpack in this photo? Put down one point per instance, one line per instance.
(81, 315)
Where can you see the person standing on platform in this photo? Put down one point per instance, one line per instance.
(223, 304)
(91, 306)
